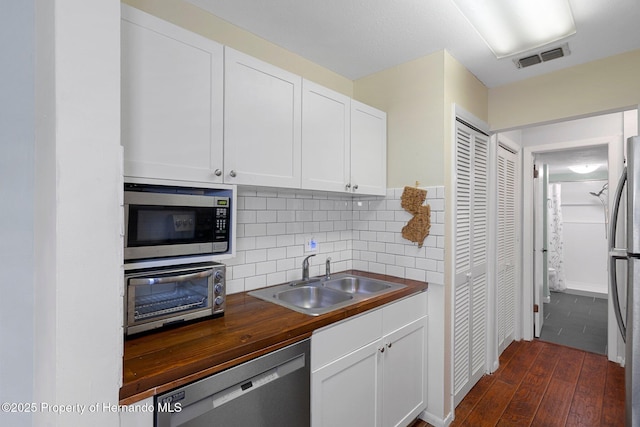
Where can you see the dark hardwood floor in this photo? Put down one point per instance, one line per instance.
(545, 384)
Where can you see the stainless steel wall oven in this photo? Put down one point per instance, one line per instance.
(166, 296)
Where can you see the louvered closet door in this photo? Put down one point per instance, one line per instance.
(470, 284)
(506, 292)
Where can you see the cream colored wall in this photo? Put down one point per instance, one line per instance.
(412, 95)
(199, 21)
(604, 85)
(418, 97)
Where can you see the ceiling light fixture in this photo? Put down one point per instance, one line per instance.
(509, 27)
(583, 168)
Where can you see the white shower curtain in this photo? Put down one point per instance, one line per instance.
(555, 256)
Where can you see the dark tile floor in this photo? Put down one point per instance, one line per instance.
(576, 321)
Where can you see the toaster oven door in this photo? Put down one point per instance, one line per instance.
(160, 298)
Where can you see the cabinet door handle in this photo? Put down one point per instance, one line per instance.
(355, 187)
(348, 186)
(389, 345)
(381, 349)
(217, 172)
(232, 173)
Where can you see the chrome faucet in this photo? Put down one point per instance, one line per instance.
(305, 267)
(327, 274)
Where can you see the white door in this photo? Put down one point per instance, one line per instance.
(326, 139)
(172, 100)
(403, 376)
(346, 392)
(470, 283)
(540, 276)
(507, 250)
(368, 150)
(262, 119)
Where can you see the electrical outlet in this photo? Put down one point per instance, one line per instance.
(311, 245)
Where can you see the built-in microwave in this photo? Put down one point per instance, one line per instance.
(163, 221)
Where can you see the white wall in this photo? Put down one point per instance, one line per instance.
(17, 116)
(585, 245)
(77, 220)
(573, 130)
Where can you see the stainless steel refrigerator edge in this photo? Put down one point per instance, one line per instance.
(629, 326)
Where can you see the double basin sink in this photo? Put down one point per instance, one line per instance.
(322, 295)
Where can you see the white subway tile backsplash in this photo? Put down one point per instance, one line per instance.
(277, 203)
(363, 233)
(266, 267)
(255, 282)
(266, 216)
(276, 253)
(255, 230)
(255, 203)
(258, 255)
(246, 217)
(286, 216)
(266, 242)
(276, 228)
(295, 204)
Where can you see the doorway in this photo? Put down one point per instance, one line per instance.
(571, 248)
(589, 132)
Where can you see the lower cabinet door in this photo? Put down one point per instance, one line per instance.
(404, 374)
(346, 392)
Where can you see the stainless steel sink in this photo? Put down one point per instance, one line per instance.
(320, 295)
(357, 285)
(312, 297)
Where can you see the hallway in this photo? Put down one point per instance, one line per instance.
(544, 384)
(576, 321)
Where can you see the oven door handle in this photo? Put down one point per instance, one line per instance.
(170, 279)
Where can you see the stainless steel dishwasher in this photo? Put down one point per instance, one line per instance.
(271, 391)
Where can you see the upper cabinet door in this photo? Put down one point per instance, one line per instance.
(172, 100)
(325, 138)
(368, 149)
(262, 123)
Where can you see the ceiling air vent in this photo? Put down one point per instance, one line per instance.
(543, 56)
(529, 61)
(552, 54)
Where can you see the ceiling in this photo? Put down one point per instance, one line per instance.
(356, 38)
(560, 160)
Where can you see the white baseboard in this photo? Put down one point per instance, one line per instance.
(436, 421)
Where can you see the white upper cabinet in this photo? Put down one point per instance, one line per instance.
(344, 143)
(368, 150)
(326, 120)
(172, 100)
(262, 123)
(193, 110)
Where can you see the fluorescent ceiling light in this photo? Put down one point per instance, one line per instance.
(515, 26)
(583, 168)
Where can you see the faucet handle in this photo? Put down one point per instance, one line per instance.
(327, 273)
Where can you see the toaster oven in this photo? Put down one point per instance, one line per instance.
(156, 298)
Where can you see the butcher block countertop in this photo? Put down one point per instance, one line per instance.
(160, 361)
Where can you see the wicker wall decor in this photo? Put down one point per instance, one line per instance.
(417, 229)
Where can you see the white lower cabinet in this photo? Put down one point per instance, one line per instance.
(371, 370)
